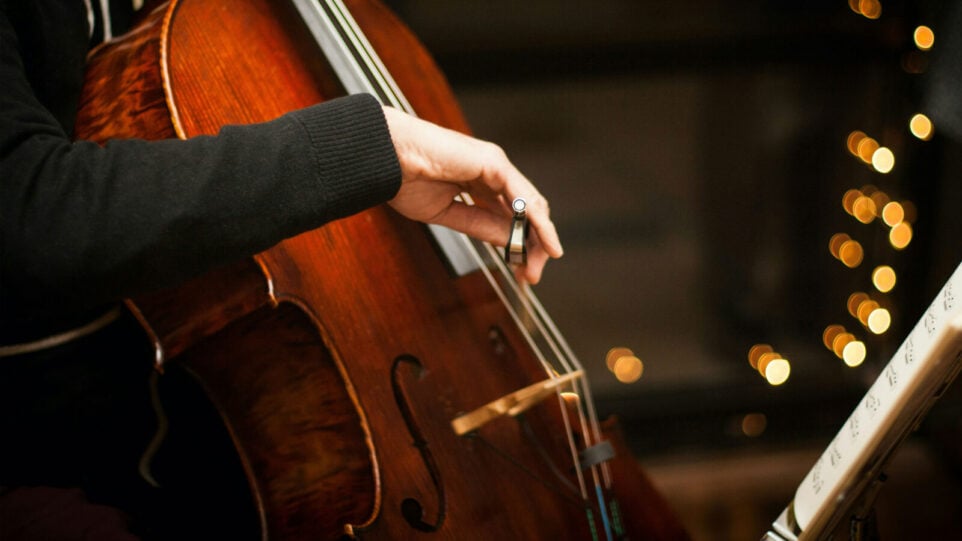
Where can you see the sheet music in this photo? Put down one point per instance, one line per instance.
(919, 371)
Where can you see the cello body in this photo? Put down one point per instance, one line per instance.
(337, 359)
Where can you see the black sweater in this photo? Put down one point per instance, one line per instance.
(82, 225)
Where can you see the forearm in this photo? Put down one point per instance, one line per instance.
(86, 224)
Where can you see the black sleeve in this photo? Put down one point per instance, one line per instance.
(83, 224)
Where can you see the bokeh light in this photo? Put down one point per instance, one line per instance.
(865, 309)
(866, 147)
(851, 253)
(628, 368)
(754, 424)
(893, 213)
(883, 278)
(900, 236)
(852, 141)
(864, 209)
(848, 200)
(870, 9)
(883, 160)
(835, 244)
(777, 371)
(924, 37)
(879, 320)
(840, 341)
(614, 354)
(755, 353)
(765, 359)
(921, 127)
(829, 334)
(854, 353)
(854, 301)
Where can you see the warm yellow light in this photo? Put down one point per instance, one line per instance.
(614, 354)
(866, 147)
(829, 334)
(883, 277)
(864, 209)
(850, 253)
(893, 213)
(883, 160)
(854, 300)
(854, 353)
(865, 309)
(879, 320)
(835, 244)
(756, 352)
(842, 340)
(924, 37)
(777, 371)
(766, 358)
(853, 5)
(871, 9)
(853, 140)
(628, 368)
(848, 200)
(921, 127)
(754, 424)
(901, 235)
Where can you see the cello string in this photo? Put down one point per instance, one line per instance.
(365, 52)
(547, 328)
(548, 331)
(541, 321)
(533, 438)
(592, 415)
(549, 368)
(385, 83)
(362, 51)
(511, 460)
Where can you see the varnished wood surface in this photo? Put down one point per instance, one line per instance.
(123, 92)
(339, 398)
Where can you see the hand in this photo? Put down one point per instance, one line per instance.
(437, 164)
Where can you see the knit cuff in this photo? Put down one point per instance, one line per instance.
(353, 152)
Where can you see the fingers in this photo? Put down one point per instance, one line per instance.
(531, 271)
(501, 182)
(475, 221)
(432, 156)
(493, 228)
(540, 220)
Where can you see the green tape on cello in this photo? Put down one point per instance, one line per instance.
(591, 524)
(616, 518)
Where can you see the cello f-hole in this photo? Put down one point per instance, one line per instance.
(411, 509)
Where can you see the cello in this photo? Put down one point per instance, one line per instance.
(378, 378)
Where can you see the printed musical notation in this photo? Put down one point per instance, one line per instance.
(921, 368)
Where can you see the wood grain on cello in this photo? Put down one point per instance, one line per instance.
(338, 359)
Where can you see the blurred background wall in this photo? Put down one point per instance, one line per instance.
(706, 162)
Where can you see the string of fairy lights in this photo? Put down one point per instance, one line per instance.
(867, 204)
(870, 309)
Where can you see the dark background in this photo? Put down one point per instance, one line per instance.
(695, 157)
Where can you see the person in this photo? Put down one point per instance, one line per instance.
(83, 226)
